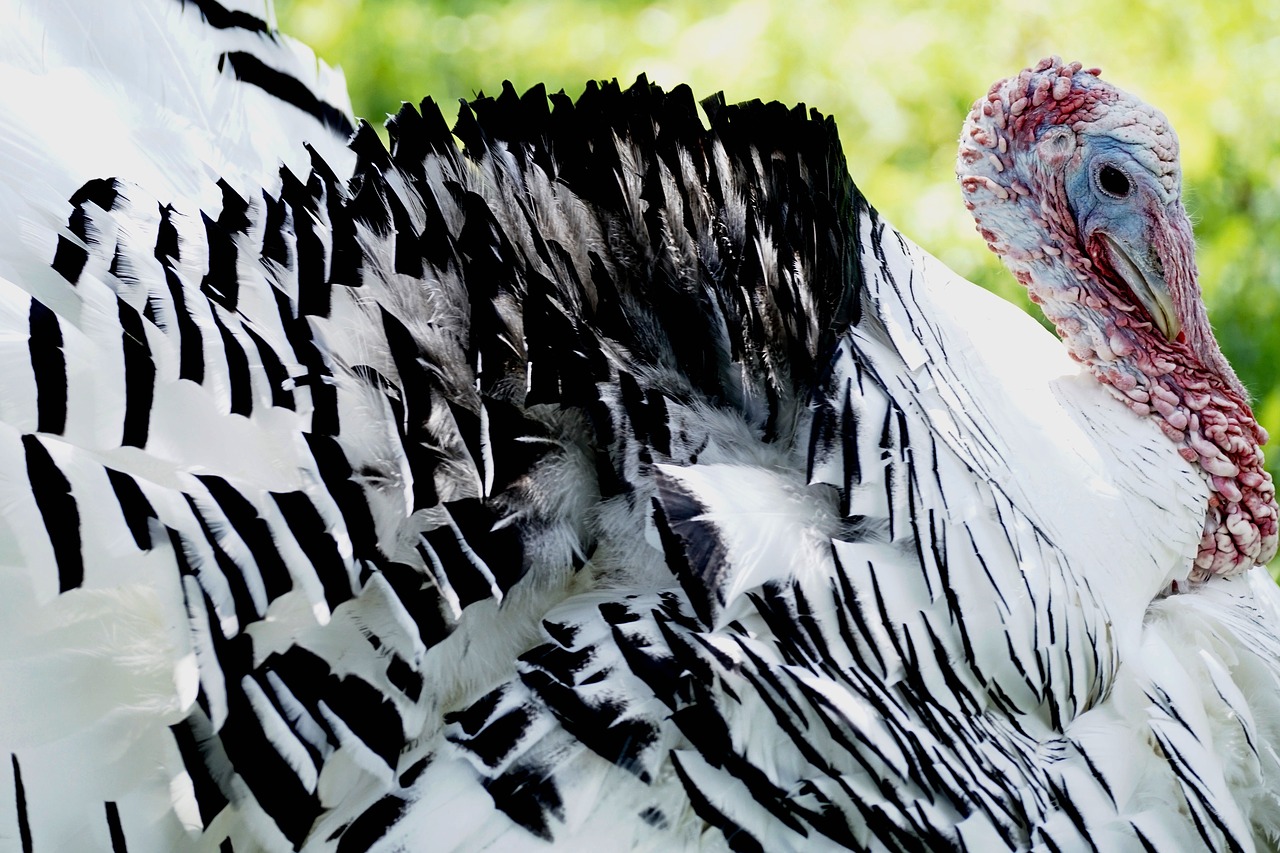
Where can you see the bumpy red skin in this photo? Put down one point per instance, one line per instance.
(1015, 188)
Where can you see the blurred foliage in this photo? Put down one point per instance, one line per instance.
(898, 75)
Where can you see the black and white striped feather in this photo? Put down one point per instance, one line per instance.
(586, 475)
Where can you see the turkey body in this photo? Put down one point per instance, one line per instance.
(609, 479)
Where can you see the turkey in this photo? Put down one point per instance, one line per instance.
(587, 476)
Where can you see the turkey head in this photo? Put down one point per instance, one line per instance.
(1075, 184)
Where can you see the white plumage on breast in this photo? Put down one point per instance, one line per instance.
(602, 480)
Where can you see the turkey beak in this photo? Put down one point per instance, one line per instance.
(1143, 272)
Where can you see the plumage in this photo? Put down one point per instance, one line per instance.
(589, 475)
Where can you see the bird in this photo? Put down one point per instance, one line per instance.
(589, 475)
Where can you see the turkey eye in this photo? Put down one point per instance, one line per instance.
(1113, 182)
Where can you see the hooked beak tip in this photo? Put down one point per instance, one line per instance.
(1147, 283)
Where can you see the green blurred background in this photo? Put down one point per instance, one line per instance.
(899, 78)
